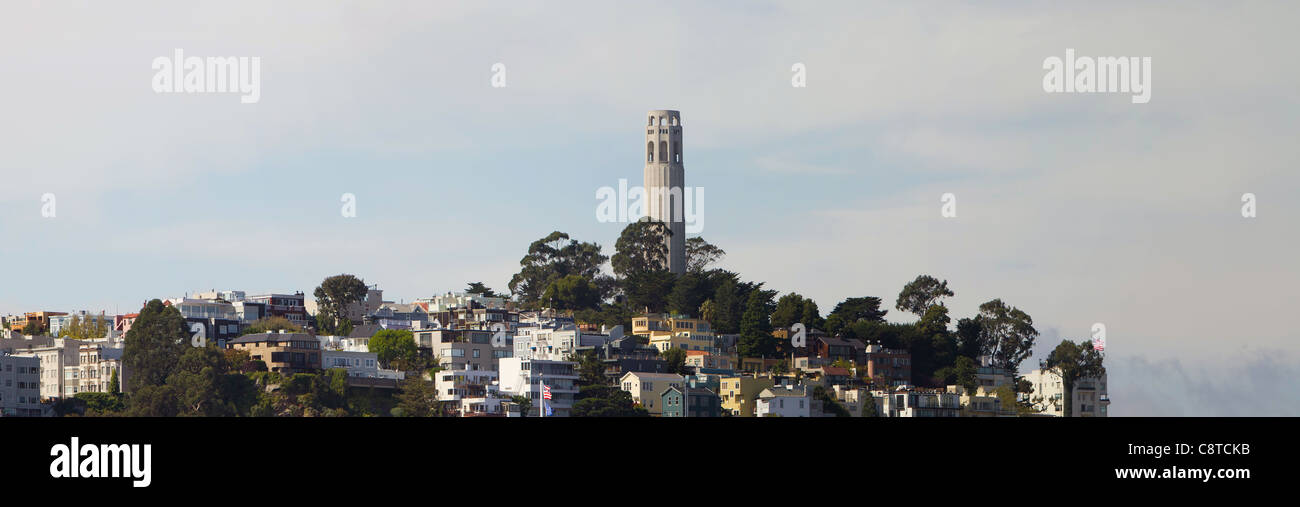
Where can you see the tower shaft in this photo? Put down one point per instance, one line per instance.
(665, 181)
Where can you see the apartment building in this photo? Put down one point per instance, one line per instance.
(470, 393)
(20, 386)
(1090, 396)
(525, 377)
(673, 331)
(914, 402)
(450, 300)
(892, 366)
(217, 319)
(464, 349)
(357, 363)
(93, 372)
(53, 355)
(282, 352)
(290, 306)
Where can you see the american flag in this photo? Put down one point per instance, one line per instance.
(1099, 344)
(546, 392)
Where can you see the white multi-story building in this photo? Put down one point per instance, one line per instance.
(20, 386)
(525, 377)
(93, 373)
(357, 363)
(54, 356)
(1090, 397)
(556, 343)
(450, 300)
(914, 402)
(470, 393)
(784, 401)
(344, 343)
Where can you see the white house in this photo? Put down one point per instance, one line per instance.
(784, 401)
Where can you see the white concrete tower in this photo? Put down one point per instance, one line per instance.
(665, 181)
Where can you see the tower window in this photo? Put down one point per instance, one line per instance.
(663, 151)
(677, 151)
(651, 122)
(650, 151)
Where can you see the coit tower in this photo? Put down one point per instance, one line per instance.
(665, 181)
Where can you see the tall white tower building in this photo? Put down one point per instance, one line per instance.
(665, 181)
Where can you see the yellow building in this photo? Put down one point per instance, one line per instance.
(668, 331)
(739, 394)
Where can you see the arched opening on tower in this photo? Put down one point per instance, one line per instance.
(663, 151)
(677, 151)
(650, 151)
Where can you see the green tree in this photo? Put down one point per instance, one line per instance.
(689, 292)
(335, 294)
(394, 346)
(418, 398)
(789, 310)
(812, 317)
(572, 292)
(480, 289)
(829, 404)
(114, 386)
(642, 247)
(729, 307)
(89, 328)
(154, 345)
(649, 290)
(962, 373)
(606, 401)
(869, 408)
(525, 404)
(1006, 334)
(676, 361)
(853, 310)
(708, 311)
(271, 324)
(968, 337)
(591, 370)
(756, 338)
(550, 259)
(99, 404)
(700, 254)
(1074, 361)
(922, 293)
(33, 328)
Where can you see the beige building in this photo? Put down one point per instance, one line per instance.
(740, 394)
(282, 352)
(646, 388)
(1090, 397)
(669, 331)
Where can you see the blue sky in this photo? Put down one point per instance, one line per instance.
(1077, 208)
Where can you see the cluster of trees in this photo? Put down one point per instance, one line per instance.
(169, 377)
(90, 328)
